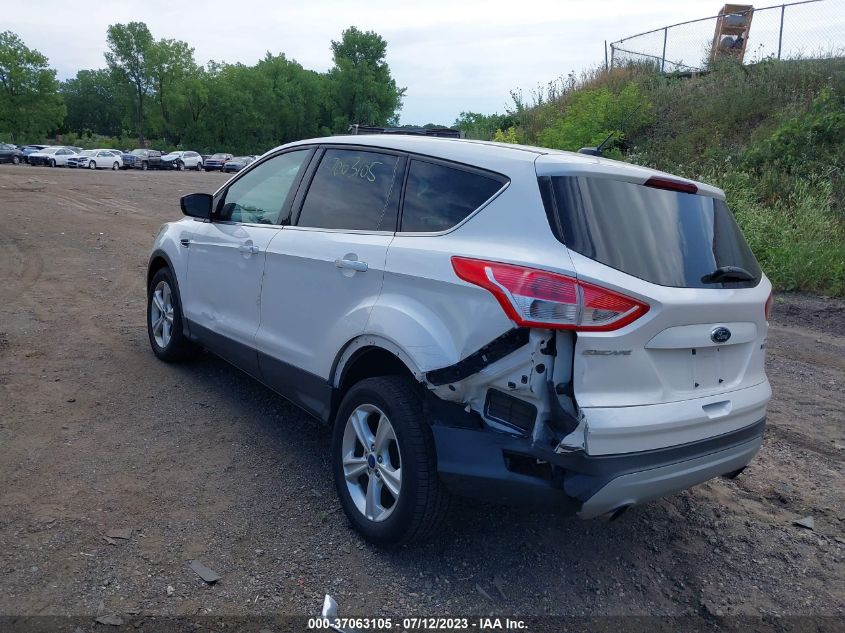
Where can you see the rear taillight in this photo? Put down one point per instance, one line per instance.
(537, 298)
(767, 309)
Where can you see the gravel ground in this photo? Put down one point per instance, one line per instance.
(200, 462)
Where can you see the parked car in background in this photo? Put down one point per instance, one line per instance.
(142, 159)
(182, 160)
(26, 150)
(10, 153)
(97, 159)
(215, 162)
(237, 163)
(55, 156)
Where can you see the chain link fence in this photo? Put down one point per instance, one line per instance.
(808, 29)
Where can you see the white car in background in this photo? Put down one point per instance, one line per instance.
(506, 322)
(181, 161)
(97, 159)
(53, 156)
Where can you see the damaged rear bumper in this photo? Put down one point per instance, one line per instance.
(506, 469)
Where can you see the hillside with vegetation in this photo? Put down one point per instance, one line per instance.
(772, 135)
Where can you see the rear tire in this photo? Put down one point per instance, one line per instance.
(164, 319)
(115, 166)
(420, 506)
(199, 166)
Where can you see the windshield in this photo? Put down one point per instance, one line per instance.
(172, 155)
(87, 152)
(219, 156)
(50, 150)
(666, 237)
(139, 152)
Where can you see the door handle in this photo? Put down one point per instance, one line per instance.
(351, 264)
(249, 248)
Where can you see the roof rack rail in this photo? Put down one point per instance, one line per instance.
(444, 132)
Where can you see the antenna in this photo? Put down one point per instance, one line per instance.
(596, 151)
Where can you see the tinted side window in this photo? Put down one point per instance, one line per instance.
(354, 190)
(259, 195)
(438, 197)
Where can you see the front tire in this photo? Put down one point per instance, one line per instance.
(164, 319)
(115, 166)
(180, 166)
(385, 463)
(15, 160)
(52, 163)
(92, 165)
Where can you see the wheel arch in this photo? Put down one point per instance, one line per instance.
(368, 356)
(158, 260)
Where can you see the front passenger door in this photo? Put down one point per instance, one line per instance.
(226, 257)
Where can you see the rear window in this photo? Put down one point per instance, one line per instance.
(438, 197)
(666, 237)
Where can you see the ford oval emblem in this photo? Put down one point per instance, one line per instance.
(720, 335)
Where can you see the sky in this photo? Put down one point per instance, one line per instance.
(451, 55)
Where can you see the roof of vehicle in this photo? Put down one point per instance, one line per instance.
(492, 155)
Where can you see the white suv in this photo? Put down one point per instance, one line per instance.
(506, 322)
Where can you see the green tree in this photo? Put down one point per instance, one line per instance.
(361, 89)
(482, 126)
(130, 59)
(94, 103)
(170, 64)
(30, 104)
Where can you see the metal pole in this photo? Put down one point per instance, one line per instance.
(663, 58)
(605, 55)
(780, 33)
(612, 53)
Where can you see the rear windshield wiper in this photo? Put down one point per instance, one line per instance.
(727, 273)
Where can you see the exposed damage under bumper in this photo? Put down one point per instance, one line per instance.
(496, 467)
(507, 429)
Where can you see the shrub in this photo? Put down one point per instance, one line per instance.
(592, 115)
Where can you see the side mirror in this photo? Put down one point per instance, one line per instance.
(197, 205)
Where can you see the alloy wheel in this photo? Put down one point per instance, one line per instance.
(161, 314)
(372, 463)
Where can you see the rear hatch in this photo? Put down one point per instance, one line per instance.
(676, 247)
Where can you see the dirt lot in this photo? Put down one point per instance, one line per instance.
(200, 462)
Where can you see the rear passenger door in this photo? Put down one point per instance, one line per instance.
(324, 273)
